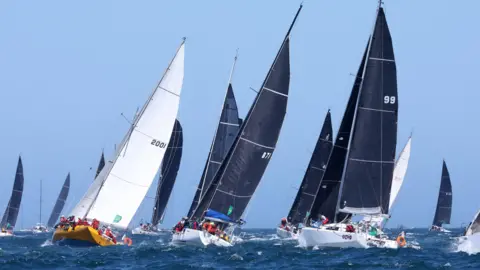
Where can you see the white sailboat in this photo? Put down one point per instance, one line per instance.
(40, 227)
(118, 190)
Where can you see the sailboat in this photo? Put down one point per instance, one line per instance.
(471, 237)
(399, 172)
(362, 172)
(225, 135)
(310, 184)
(170, 167)
(443, 211)
(60, 203)
(222, 206)
(39, 227)
(116, 193)
(9, 218)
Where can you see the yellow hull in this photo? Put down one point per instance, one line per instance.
(81, 236)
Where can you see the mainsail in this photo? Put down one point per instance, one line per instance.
(101, 164)
(444, 203)
(241, 171)
(314, 174)
(118, 190)
(399, 172)
(327, 194)
(368, 172)
(62, 197)
(227, 131)
(170, 166)
(9, 218)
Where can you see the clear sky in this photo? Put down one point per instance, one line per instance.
(68, 69)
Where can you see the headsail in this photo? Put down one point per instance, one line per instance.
(314, 174)
(62, 197)
(399, 172)
(170, 166)
(241, 171)
(227, 130)
(9, 218)
(368, 171)
(327, 194)
(444, 203)
(117, 192)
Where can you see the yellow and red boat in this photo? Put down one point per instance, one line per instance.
(82, 235)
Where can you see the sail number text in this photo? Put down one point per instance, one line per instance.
(389, 100)
(158, 143)
(266, 155)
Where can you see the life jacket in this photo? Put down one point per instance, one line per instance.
(325, 221)
(195, 225)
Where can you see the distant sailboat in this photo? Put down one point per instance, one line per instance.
(9, 218)
(227, 130)
(60, 203)
(120, 187)
(235, 182)
(40, 228)
(311, 183)
(443, 211)
(170, 167)
(367, 170)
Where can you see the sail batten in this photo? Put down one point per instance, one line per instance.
(170, 167)
(314, 174)
(118, 190)
(60, 203)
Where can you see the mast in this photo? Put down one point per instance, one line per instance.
(132, 128)
(40, 201)
(356, 110)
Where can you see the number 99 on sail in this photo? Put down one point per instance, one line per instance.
(158, 143)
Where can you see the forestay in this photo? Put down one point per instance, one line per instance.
(119, 189)
(170, 167)
(314, 174)
(60, 203)
(371, 154)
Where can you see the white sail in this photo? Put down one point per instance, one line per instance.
(117, 192)
(399, 172)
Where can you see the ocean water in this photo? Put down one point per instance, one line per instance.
(260, 249)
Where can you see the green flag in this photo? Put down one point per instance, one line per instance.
(117, 219)
(230, 210)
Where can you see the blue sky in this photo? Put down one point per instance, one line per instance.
(69, 69)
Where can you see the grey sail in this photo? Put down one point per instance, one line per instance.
(241, 171)
(443, 211)
(9, 218)
(370, 161)
(170, 167)
(314, 174)
(227, 131)
(60, 203)
(327, 194)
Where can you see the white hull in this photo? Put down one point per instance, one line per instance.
(469, 244)
(284, 234)
(321, 237)
(382, 243)
(188, 237)
(140, 231)
(6, 234)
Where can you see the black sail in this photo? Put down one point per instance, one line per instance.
(371, 155)
(243, 168)
(101, 164)
(327, 194)
(444, 203)
(314, 174)
(9, 218)
(62, 197)
(170, 167)
(225, 135)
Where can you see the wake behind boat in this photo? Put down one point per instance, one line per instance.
(132, 170)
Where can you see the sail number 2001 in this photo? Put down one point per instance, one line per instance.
(158, 143)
